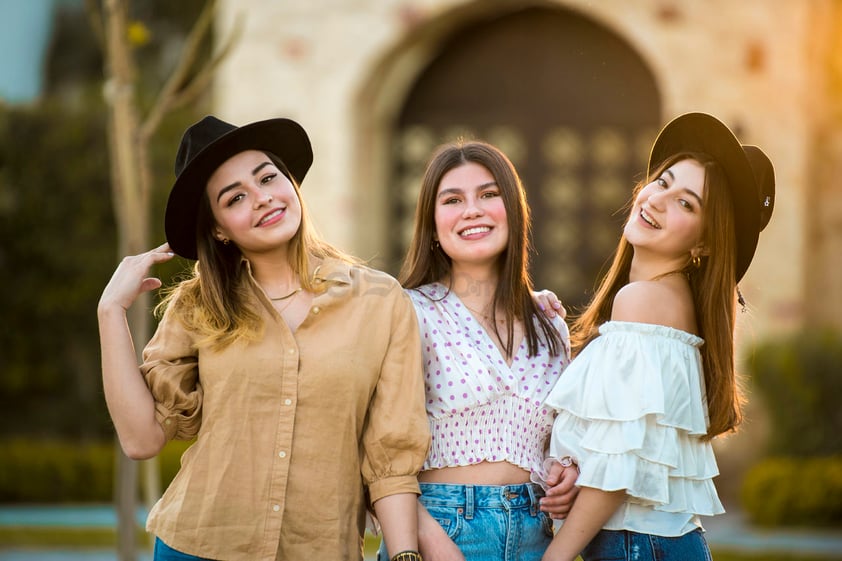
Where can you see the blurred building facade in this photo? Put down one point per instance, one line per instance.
(574, 91)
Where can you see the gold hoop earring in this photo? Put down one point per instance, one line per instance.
(225, 241)
(434, 245)
(696, 261)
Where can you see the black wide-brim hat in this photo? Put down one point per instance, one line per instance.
(207, 144)
(750, 174)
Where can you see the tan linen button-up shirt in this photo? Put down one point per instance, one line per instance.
(293, 429)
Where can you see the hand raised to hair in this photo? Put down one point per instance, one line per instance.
(131, 279)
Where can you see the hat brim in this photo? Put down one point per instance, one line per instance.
(284, 138)
(700, 132)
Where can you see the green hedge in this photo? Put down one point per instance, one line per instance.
(53, 471)
(794, 492)
(799, 378)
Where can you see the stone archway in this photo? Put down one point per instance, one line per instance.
(571, 103)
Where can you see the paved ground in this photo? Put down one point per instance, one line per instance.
(727, 531)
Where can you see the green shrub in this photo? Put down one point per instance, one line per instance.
(61, 471)
(800, 380)
(794, 492)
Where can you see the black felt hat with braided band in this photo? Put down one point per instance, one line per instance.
(207, 144)
(751, 177)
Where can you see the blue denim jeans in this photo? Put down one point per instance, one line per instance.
(616, 545)
(489, 522)
(163, 552)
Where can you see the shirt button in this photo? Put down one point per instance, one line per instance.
(316, 310)
(282, 454)
(287, 402)
(276, 508)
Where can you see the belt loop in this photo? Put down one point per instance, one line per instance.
(469, 502)
(533, 499)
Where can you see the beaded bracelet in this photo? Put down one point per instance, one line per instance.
(407, 556)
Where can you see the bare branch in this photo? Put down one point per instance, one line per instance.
(181, 72)
(92, 8)
(200, 81)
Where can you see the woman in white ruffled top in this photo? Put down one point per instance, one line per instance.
(653, 378)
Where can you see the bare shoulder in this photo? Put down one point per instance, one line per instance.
(656, 302)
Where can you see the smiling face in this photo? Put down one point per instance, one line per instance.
(253, 203)
(470, 216)
(667, 216)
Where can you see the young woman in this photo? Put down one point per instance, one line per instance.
(490, 358)
(653, 379)
(300, 422)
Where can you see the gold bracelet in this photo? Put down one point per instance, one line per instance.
(407, 556)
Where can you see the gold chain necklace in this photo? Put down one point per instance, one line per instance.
(484, 316)
(290, 295)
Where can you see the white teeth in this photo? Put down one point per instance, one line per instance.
(475, 230)
(648, 219)
(270, 216)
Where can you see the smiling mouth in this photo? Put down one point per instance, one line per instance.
(270, 216)
(649, 220)
(474, 230)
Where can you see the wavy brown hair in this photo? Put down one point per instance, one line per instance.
(426, 262)
(713, 285)
(216, 300)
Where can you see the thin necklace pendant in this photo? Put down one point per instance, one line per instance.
(290, 295)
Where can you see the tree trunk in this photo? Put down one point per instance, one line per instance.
(130, 192)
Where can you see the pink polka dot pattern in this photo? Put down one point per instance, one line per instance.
(479, 407)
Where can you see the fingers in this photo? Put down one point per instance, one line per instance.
(548, 302)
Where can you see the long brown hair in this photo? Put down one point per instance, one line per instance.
(713, 284)
(426, 262)
(216, 301)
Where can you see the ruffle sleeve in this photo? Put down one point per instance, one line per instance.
(632, 411)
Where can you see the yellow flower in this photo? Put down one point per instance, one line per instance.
(138, 34)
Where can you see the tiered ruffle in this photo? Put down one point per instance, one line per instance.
(632, 409)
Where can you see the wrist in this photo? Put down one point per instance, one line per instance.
(569, 461)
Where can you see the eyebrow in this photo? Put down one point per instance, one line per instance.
(458, 191)
(236, 184)
(686, 190)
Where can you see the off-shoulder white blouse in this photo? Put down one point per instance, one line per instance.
(632, 410)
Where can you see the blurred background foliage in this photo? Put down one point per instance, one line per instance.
(799, 380)
(57, 225)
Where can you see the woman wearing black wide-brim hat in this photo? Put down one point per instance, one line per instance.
(296, 369)
(653, 378)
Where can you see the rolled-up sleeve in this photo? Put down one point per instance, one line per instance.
(170, 368)
(397, 436)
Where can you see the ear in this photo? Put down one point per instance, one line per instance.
(217, 233)
(700, 250)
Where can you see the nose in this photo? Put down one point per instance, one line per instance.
(262, 198)
(472, 209)
(655, 199)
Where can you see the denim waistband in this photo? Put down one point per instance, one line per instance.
(472, 497)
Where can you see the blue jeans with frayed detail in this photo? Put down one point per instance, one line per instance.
(488, 522)
(623, 545)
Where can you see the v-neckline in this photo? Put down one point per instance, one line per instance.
(500, 355)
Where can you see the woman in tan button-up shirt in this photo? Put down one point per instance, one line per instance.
(297, 370)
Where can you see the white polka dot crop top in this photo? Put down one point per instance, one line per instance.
(479, 407)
